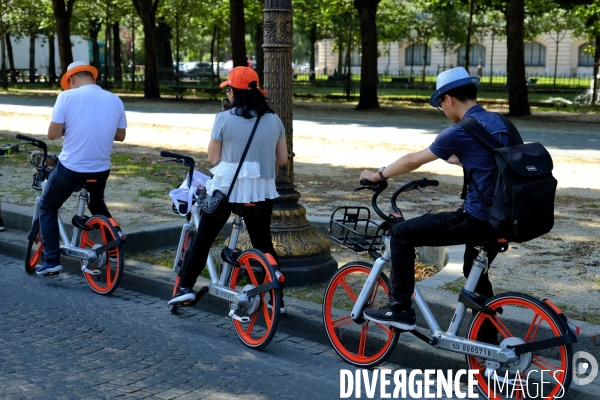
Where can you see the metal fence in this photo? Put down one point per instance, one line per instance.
(543, 89)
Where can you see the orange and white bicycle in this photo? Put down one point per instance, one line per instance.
(247, 279)
(96, 241)
(531, 351)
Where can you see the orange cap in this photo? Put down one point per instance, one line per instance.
(75, 67)
(240, 78)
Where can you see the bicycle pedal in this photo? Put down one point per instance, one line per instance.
(91, 272)
(185, 303)
(48, 274)
(203, 290)
(233, 315)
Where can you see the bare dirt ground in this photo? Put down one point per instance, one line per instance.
(563, 265)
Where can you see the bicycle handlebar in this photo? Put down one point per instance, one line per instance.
(37, 143)
(179, 158)
(381, 185)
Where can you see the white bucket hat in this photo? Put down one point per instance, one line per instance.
(451, 79)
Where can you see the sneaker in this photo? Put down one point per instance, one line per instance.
(49, 267)
(281, 308)
(1, 224)
(404, 320)
(183, 294)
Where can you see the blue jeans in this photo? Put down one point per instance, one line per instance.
(61, 183)
(442, 229)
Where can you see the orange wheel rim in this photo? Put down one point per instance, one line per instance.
(333, 324)
(33, 260)
(246, 332)
(540, 317)
(111, 271)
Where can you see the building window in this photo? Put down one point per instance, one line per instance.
(418, 52)
(584, 59)
(535, 54)
(476, 55)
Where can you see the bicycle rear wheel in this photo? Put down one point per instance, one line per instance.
(108, 268)
(256, 270)
(186, 246)
(34, 252)
(521, 319)
(364, 343)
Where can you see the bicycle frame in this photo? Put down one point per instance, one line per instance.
(447, 340)
(70, 246)
(218, 286)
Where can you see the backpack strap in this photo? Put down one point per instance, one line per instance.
(473, 127)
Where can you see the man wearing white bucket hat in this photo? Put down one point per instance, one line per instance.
(90, 119)
(455, 95)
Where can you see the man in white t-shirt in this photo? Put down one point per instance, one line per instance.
(90, 119)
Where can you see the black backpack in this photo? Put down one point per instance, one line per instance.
(523, 202)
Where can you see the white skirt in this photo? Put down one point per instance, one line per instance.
(249, 186)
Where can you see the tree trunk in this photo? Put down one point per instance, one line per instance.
(3, 76)
(51, 59)
(469, 33)
(313, 42)
(348, 59)
(424, 61)
(596, 70)
(11, 59)
(518, 100)
(492, 62)
(165, 55)
(132, 52)
(117, 52)
(95, 26)
(555, 62)
(238, 33)
(367, 10)
(62, 13)
(32, 58)
(260, 54)
(340, 64)
(212, 54)
(147, 11)
(218, 32)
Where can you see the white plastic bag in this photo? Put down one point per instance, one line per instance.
(184, 196)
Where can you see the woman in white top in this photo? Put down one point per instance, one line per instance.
(256, 180)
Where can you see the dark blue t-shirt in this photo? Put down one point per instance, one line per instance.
(475, 158)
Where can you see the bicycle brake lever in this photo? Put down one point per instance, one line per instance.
(360, 188)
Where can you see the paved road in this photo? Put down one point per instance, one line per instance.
(60, 340)
(582, 143)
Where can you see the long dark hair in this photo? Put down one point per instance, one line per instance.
(250, 102)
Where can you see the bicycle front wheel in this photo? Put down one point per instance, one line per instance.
(363, 343)
(103, 276)
(263, 309)
(520, 318)
(34, 252)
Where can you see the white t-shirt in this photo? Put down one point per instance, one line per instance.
(91, 116)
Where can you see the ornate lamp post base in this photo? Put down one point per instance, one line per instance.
(304, 254)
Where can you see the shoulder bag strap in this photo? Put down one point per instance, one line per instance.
(243, 156)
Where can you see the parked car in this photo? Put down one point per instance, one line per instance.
(197, 69)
